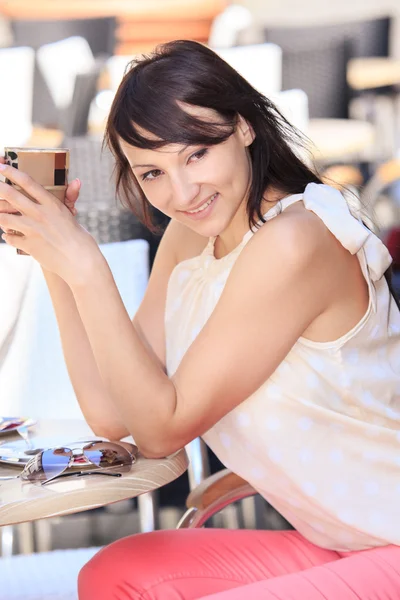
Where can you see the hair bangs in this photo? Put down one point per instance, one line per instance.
(165, 119)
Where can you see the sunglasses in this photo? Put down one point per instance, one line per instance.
(95, 458)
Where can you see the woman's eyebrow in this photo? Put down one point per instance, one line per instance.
(150, 166)
(155, 166)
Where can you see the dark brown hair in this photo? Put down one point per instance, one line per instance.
(151, 96)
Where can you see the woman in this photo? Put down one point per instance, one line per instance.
(267, 327)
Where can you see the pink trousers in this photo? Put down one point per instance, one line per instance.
(237, 565)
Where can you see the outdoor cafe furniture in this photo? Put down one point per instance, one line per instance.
(24, 501)
(47, 575)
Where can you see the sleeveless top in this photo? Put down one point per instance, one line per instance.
(320, 439)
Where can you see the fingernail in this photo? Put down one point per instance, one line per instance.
(79, 181)
(2, 167)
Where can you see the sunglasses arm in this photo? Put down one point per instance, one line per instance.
(79, 474)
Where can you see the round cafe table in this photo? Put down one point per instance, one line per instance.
(25, 501)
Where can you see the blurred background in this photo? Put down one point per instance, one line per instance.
(333, 69)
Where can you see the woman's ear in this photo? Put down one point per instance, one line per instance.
(246, 130)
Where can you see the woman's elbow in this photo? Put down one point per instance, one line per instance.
(113, 433)
(158, 448)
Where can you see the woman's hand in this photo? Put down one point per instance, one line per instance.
(47, 228)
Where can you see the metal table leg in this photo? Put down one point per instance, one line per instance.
(7, 540)
(198, 468)
(147, 508)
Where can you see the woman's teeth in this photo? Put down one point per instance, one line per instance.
(203, 206)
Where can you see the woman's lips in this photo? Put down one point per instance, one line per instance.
(202, 214)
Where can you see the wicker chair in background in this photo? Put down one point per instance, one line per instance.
(306, 63)
(368, 38)
(320, 71)
(98, 208)
(361, 38)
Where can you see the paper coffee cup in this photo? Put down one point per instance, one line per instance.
(57, 190)
(47, 166)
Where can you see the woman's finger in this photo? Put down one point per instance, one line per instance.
(5, 207)
(16, 241)
(18, 201)
(10, 223)
(25, 182)
(72, 193)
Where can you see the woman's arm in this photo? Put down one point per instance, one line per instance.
(100, 412)
(282, 281)
(98, 408)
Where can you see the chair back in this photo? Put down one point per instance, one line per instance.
(320, 71)
(60, 63)
(33, 376)
(16, 67)
(260, 64)
(75, 118)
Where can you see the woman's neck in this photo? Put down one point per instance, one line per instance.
(233, 235)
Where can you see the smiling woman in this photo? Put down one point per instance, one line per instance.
(267, 328)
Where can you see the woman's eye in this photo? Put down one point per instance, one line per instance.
(199, 154)
(151, 175)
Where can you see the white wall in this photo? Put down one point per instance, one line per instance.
(310, 12)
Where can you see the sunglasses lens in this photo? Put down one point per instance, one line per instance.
(47, 464)
(55, 461)
(107, 455)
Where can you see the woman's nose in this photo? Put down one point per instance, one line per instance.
(185, 193)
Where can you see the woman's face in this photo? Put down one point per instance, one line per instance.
(203, 187)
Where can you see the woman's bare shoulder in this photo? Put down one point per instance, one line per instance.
(295, 234)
